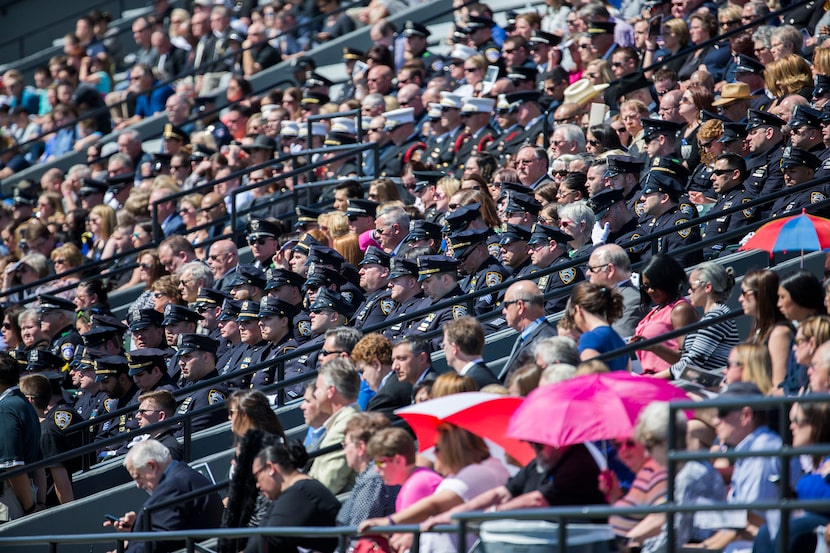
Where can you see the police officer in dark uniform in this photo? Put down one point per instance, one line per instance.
(728, 176)
(406, 291)
(424, 234)
(481, 269)
(824, 170)
(57, 321)
(208, 304)
(426, 183)
(148, 369)
(549, 248)
(438, 275)
(248, 283)
(734, 138)
(287, 286)
(805, 131)
(478, 133)
(514, 248)
(610, 208)
(480, 36)
(89, 399)
(111, 371)
(257, 350)
(229, 329)
(520, 208)
(374, 280)
(673, 168)
(468, 217)
(798, 167)
(275, 325)
(416, 42)
(328, 258)
(178, 320)
(661, 194)
(145, 328)
(766, 146)
(56, 415)
(197, 362)
(623, 174)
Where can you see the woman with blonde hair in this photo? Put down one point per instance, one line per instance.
(700, 189)
(100, 226)
(598, 72)
(166, 290)
(789, 75)
(452, 383)
(749, 363)
(65, 258)
(149, 271)
(675, 38)
(474, 69)
(821, 59)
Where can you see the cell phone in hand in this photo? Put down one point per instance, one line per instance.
(112, 518)
(655, 26)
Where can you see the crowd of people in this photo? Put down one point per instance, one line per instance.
(534, 166)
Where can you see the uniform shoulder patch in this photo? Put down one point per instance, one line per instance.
(304, 327)
(492, 55)
(387, 305)
(110, 404)
(348, 296)
(216, 396)
(459, 311)
(493, 278)
(685, 232)
(494, 249)
(816, 197)
(748, 212)
(567, 275)
(63, 419)
(67, 351)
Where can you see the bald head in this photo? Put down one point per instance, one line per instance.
(523, 304)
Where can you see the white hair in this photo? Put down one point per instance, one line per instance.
(148, 450)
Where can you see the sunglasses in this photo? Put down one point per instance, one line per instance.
(258, 241)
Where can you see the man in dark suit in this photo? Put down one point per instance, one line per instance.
(463, 346)
(610, 266)
(524, 309)
(150, 465)
(373, 357)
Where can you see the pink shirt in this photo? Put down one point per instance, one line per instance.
(657, 322)
(420, 484)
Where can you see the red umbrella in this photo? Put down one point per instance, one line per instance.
(485, 415)
(588, 408)
(797, 233)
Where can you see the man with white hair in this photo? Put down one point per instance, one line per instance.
(154, 471)
(192, 276)
(609, 265)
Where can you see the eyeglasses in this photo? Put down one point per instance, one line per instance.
(7, 326)
(724, 412)
(729, 22)
(508, 303)
(470, 69)
(616, 64)
(685, 100)
(60, 260)
(798, 421)
(145, 412)
(258, 241)
(596, 268)
(159, 295)
(375, 129)
(696, 285)
(593, 143)
(382, 461)
(255, 473)
(333, 352)
(525, 161)
(747, 293)
(647, 286)
(721, 172)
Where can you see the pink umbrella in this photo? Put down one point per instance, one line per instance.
(485, 415)
(588, 408)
